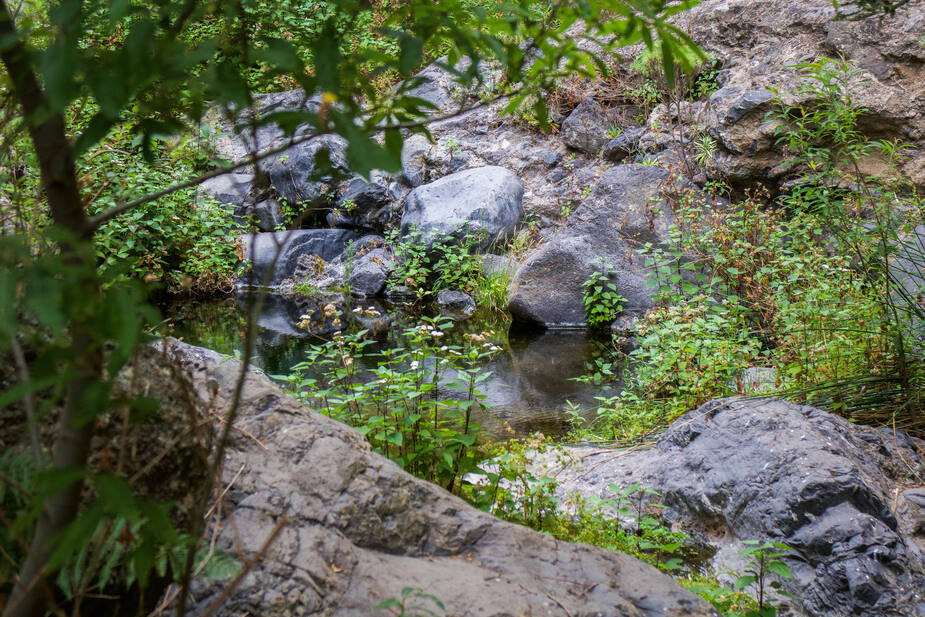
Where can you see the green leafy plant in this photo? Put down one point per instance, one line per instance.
(392, 397)
(764, 561)
(602, 302)
(413, 602)
(704, 149)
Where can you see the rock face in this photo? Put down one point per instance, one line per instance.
(586, 127)
(840, 495)
(757, 42)
(624, 211)
(297, 174)
(261, 250)
(485, 202)
(353, 529)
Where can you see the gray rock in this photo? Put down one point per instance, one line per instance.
(624, 211)
(369, 272)
(484, 202)
(228, 188)
(266, 214)
(354, 529)
(759, 45)
(260, 251)
(456, 304)
(586, 127)
(413, 151)
(623, 145)
(740, 469)
(298, 176)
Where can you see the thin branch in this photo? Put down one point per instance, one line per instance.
(248, 566)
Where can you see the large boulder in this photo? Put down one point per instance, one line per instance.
(334, 529)
(844, 497)
(758, 45)
(274, 257)
(624, 211)
(484, 203)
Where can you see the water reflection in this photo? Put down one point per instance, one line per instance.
(530, 388)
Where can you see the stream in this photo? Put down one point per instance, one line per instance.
(532, 379)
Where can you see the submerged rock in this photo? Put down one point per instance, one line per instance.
(844, 497)
(456, 304)
(352, 529)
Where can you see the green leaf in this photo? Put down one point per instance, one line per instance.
(411, 54)
(780, 568)
(96, 130)
(116, 496)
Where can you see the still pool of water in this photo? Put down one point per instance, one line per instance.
(532, 379)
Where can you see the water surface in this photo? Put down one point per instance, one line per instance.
(532, 379)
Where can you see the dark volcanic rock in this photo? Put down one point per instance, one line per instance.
(484, 202)
(355, 529)
(624, 211)
(261, 250)
(298, 175)
(841, 495)
(623, 145)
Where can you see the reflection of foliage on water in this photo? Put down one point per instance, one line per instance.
(217, 325)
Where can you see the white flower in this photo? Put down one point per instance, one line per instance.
(444, 348)
(357, 310)
(495, 348)
(436, 334)
(414, 365)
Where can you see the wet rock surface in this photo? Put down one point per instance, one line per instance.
(844, 497)
(456, 304)
(353, 529)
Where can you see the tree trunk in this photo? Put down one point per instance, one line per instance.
(54, 152)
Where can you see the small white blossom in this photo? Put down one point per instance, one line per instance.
(444, 348)
(414, 365)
